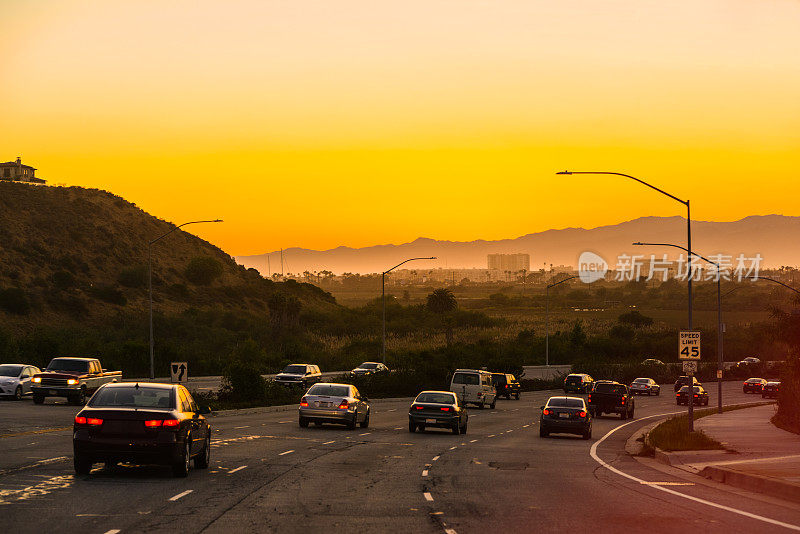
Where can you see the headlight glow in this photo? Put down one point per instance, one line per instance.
(72, 381)
(37, 379)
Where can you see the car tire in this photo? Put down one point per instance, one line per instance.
(180, 469)
(543, 433)
(516, 396)
(18, 393)
(624, 415)
(202, 460)
(464, 429)
(38, 399)
(482, 405)
(365, 423)
(352, 423)
(456, 429)
(630, 415)
(411, 426)
(492, 405)
(421, 428)
(82, 464)
(588, 434)
(303, 422)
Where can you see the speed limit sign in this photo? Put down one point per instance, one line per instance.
(689, 345)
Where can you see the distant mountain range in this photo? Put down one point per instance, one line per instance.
(774, 237)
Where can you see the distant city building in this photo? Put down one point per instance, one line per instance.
(17, 172)
(509, 262)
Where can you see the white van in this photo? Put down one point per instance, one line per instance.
(474, 387)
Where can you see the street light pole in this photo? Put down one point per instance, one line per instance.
(688, 248)
(383, 298)
(150, 285)
(547, 318)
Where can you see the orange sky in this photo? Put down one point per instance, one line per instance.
(319, 123)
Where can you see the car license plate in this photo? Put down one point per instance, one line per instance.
(431, 421)
(53, 392)
(564, 415)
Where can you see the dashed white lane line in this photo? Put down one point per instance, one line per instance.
(593, 454)
(454, 447)
(113, 531)
(425, 472)
(490, 436)
(232, 471)
(449, 531)
(392, 410)
(525, 426)
(428, 496)
(286, 452)
(240, 427)
(473, 440)
(283, 422)
(434, 458)
(178, 496)
(365, 434)
(509, 430)
(667, 483)
(329, 442)
(399, 428)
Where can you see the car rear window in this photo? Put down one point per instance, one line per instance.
(436, 398)
(499, 379)
(574, 378)
(295, 369)
(10, 370)
(565, 402)
(642, 381)
(368, 366)
(78, 366)
(329, 391)
(141, 397)
(469, 379)
(610, 388)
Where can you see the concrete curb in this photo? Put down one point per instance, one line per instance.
(754, 483)
(633, 446)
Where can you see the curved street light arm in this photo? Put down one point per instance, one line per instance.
(639, 243)
(406, 261)
(561, 281)
(684, 202)
(180, 225)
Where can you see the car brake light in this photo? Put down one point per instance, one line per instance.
(697, 395)
(547, 411)
(344, 405)
(480, 394)
(445, 408)
(170, 422)
(153, 423)
(590, 397)
(80, 420)
(417, 407)
(582, 414)
(304, 402)
(94, 421)
(677, 394)
(622, 401)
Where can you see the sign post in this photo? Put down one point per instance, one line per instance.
(689, 353)
(179, 372)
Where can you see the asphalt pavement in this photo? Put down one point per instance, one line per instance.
(269, 475)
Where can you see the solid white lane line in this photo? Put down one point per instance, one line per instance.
(329, 442)
(425, 472)
(667, 483)
(178, 496)
(232, 471)
(428, 496)
(435, 458)
(286, 452)
(593, 454)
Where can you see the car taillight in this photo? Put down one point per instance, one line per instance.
(171, 423)
(417, 407)
(582, 414)
(547, 411)
(590, 397)
(80, 420)
(153, 423)
(506, 386)
(304, 402)
(622, 401)
(480, 394)
(445, 408)
(94, 421)
(696, 395)
(344, 405)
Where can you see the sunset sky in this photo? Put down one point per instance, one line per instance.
(326, 123)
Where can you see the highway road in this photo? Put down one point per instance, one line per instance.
(269, 475)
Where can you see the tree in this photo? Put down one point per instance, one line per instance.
(443, 302)
(203, 270)
(635, 319)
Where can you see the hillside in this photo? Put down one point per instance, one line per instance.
(772, 236)
(69, 255)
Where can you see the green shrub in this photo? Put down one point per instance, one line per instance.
(635, 319)
(63, 279)
(14, 300)
(203, 270)
(109, 294)
(134, 276)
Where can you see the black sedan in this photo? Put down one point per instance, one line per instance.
(700, 396)
(439, 409)
(144, 423)
(568, 415)
(506, 385)
(770, 390)
(753, 385)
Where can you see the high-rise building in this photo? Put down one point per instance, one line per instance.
(509, 262)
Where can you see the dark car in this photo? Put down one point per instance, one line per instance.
(440, 409)
(771, 389)
(299, 375)
(611, 397)
(684, 381)
(753, 385)
(506, 385)
(645, 386)
(567, 415)
(369, 368)
(700, 396)
(578, 383)
(144, 423)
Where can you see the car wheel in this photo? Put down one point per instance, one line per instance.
(352, 423)
(464, 429)
(82, 464)
(481, 405)
(516, 396)
(18, 393)
(543, 433)
(303, 422)
(411, 426)
(456, 429)
(365, 423)
(38, 399)
(180, 468)
(588, 433)
(494, 402)
(202, 460)
(658, 392)
(630, 415)
(624, 415)
(421, 428)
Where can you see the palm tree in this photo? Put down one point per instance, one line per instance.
(443, 302)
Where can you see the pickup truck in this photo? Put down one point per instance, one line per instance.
(73, 378)
(611, 397)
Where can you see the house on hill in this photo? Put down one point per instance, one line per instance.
(17, 172)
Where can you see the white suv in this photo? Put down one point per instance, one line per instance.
(474, 387)
(299, 374)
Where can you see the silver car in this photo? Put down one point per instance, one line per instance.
(334, 403)
(645, 386)
(15, 379)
